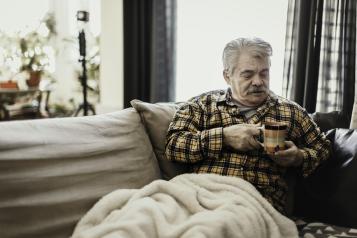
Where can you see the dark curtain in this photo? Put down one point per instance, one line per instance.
(149, 50)
(320, 50)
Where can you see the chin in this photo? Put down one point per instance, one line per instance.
(256, 101)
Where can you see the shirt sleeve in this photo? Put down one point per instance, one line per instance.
(187, 141)
(313, 143)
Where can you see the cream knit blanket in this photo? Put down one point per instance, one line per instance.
(189, 205)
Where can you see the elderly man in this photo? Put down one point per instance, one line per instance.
(217, 132)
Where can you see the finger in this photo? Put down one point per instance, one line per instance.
(289, 151)
(258, 126)
(253, 131)
(244, 125)
(252, 125)
(250, 144)
(282, 161)
(254, 143)
(289, 144)
(284, 153)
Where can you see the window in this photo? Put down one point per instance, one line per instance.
(23, 39)
(14, 18)
(205, 26)
(65, 67)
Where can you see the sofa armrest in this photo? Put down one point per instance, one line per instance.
(330, 193)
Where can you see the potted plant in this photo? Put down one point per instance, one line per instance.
(28, 54)
(35, 50)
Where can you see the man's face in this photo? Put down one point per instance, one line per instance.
(250, 80)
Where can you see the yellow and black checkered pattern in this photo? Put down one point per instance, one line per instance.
(195, 136)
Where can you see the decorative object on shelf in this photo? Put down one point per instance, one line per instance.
(17, 103)
(9, 84)
(29, 51)
(36, 51)
(34, 79)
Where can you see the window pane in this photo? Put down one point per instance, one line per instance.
(18, 14)
(205, 26)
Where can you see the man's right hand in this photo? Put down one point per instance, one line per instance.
(242, 137)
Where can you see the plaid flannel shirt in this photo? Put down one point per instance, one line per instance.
(195, 136)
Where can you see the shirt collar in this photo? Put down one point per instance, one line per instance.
(226, 97)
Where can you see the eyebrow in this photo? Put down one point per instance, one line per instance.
(264, 70)
(250, 71)
(247, 71)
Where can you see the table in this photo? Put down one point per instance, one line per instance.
(19, 102)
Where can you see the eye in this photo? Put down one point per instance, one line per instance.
(264, 73)
(247, 75)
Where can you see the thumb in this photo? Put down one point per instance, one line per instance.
(253, 125)
(253, 131)
(289, 144)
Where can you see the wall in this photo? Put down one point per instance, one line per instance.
(66, 81)
(205, 26)
(111, 50)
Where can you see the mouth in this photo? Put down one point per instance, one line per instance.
(257, 92)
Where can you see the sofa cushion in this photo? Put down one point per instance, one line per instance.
(330, 193)
(330, 120)
(53, 170)
(156, 118)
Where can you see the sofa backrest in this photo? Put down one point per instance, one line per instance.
(330, 193)
(327, 195)
(53, 170)
(330, 120)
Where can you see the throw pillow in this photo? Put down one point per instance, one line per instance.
(330, 193)
(156, 119)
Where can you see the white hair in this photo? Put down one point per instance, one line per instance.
(233, 49)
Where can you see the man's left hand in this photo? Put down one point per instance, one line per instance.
(291, 156)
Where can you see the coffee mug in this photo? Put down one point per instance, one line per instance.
(274, 136)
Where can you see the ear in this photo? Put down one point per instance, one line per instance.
(226, 77)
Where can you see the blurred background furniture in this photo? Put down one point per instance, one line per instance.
(24, 104)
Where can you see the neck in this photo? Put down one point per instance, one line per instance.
(240, 104)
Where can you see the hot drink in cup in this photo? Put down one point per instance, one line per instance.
(274, 136)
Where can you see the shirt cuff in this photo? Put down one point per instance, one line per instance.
(308, 164)
(212, 142)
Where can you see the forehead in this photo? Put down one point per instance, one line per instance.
(248, 60)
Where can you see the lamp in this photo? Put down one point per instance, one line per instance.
(83, 18)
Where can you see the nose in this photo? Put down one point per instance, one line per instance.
(257, 81)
